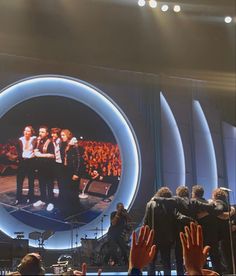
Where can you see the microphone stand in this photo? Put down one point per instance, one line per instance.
(83, 195)
(102, 219)
(74, 224)
(71, 241)
(231, 236)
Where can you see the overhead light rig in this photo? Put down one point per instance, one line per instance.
(153, 4)
(164, 7)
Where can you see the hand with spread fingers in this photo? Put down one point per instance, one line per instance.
(143, 250)
(193, 252)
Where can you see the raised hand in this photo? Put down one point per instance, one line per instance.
(82, 272)
(193, 252)
(142, 251)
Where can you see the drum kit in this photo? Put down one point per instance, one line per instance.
(93, 251)
(96, 251)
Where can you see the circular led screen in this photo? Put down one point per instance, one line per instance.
(103, 142)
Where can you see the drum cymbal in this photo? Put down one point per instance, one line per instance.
(47, 234)
(95, 229)
(88, 239)
(35, 235)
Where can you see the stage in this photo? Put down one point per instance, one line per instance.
(90, 208)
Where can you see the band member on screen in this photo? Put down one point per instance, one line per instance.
(45, 160)
(71, 165)
(119, 224)
(58, 166)
(26, 156)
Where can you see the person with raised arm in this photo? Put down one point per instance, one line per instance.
(119, 222)
(142, 250)
(194, 253)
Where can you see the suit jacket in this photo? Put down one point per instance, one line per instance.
(71, 158)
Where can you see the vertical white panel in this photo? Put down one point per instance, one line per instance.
(172, 148)
(206, 167)
(229, 133)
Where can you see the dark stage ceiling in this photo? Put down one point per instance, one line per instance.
(120, 34)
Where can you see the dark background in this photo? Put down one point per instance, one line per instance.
(55, 112)
(120, 34)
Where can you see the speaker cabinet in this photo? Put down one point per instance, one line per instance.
(99, 188)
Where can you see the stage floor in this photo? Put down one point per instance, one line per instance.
(55, 220)
(121, 272)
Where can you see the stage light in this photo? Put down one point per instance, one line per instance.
(81, 137)
(141, 3)
(228, 19)
(164, 8)
(177, 8)
(153, 4)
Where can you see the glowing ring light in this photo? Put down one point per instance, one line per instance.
(53, 85)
